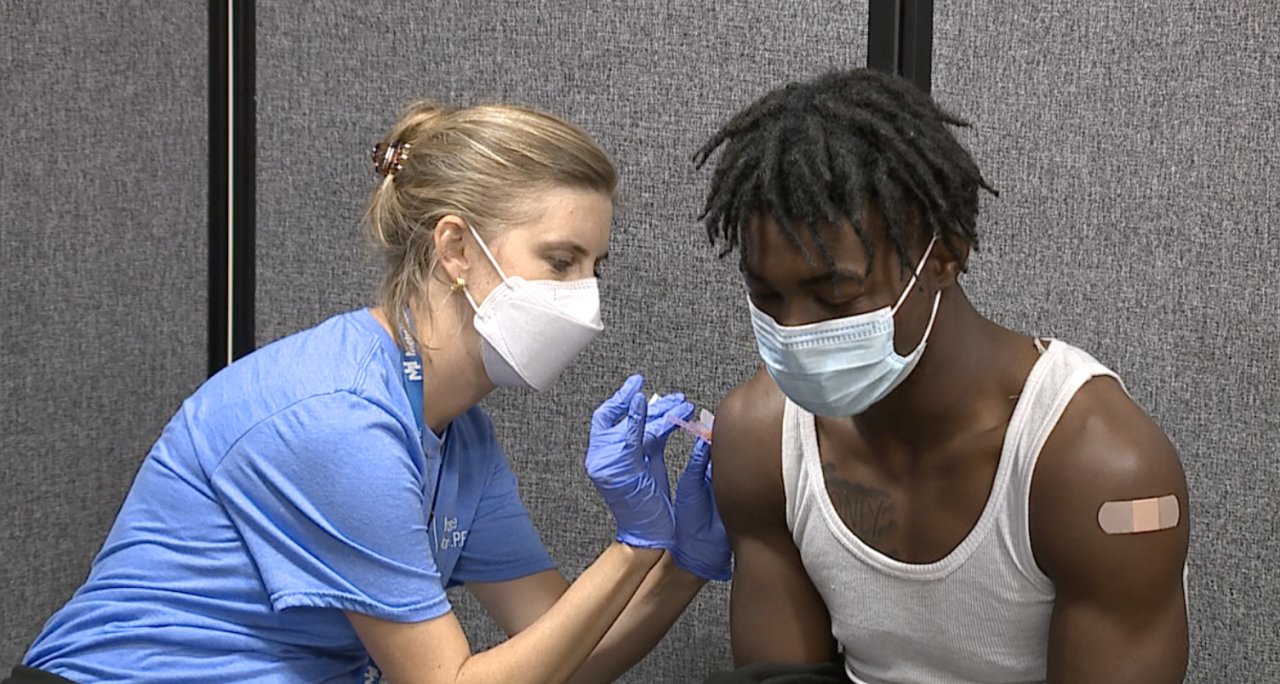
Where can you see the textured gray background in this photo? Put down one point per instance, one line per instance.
(103, 196)
(650, 79)
(1135, 147)
(1134, 144)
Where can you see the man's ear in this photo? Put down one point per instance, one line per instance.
(451, 247)
(948, 260)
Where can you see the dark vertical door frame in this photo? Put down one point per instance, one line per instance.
(232, 177)
(219, 187)
(900, 39)
(915, 56)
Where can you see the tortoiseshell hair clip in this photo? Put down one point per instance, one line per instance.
(388, 159)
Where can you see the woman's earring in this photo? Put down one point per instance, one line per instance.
(459, 283)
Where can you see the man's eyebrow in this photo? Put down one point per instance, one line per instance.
(836, 275)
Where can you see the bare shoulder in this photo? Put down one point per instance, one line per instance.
(775, 612)
(747, 453)
(1105, 448)
(1119, 608)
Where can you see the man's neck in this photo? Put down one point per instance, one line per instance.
(963, 384)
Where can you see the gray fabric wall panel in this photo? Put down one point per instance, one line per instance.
(650, 79)
(103, 247)
(1135, 148)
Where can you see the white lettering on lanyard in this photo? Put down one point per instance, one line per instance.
(412, 368)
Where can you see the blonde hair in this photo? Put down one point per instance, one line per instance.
(484, 164)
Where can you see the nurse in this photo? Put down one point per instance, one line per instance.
(308, 506)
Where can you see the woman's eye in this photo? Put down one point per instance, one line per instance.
(560, 265)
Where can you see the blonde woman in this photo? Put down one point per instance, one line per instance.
(308, 506)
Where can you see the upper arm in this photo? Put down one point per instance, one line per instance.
(515, 604)
(328, 501)
(1119, 610)
(503, 561)
(776, 614)
(502, 543)
(428, 652)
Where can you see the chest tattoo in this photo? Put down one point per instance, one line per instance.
(867, 511)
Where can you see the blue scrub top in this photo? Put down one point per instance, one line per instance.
(291, 486)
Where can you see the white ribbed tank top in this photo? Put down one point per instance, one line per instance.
(981, 614)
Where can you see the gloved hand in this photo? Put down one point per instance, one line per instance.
(630, 478)
(702, 545)
(656, 431)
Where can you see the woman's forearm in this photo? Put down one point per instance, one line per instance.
(557, 644)
(665, 593)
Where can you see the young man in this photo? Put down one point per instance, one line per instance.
(908, 486)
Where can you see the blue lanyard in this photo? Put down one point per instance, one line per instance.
(411, 365)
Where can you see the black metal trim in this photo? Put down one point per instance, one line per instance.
(233, 147)
(883, 29)
(244, 116)
(915, 55)
(900, 39)
(218, 186)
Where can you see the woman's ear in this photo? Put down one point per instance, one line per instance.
(450, 247)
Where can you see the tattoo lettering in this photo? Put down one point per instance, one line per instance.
(866, 511)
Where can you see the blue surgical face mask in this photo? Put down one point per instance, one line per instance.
(842, 366)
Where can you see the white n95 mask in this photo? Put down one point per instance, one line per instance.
(531, 330)
(842, 366)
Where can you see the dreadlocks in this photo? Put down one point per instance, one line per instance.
(818, 151)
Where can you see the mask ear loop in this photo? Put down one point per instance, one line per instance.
(937, 298)
(492, 260)
(487, 253)
(914, 276)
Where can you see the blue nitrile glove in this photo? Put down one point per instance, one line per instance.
(702, 545)
(656, 431)
(617, 465)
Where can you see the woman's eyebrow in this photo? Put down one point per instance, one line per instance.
(573, 247)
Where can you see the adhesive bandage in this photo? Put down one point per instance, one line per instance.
(1139, 515)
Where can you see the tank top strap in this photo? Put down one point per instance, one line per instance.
(794, 423)
(1055, 379)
